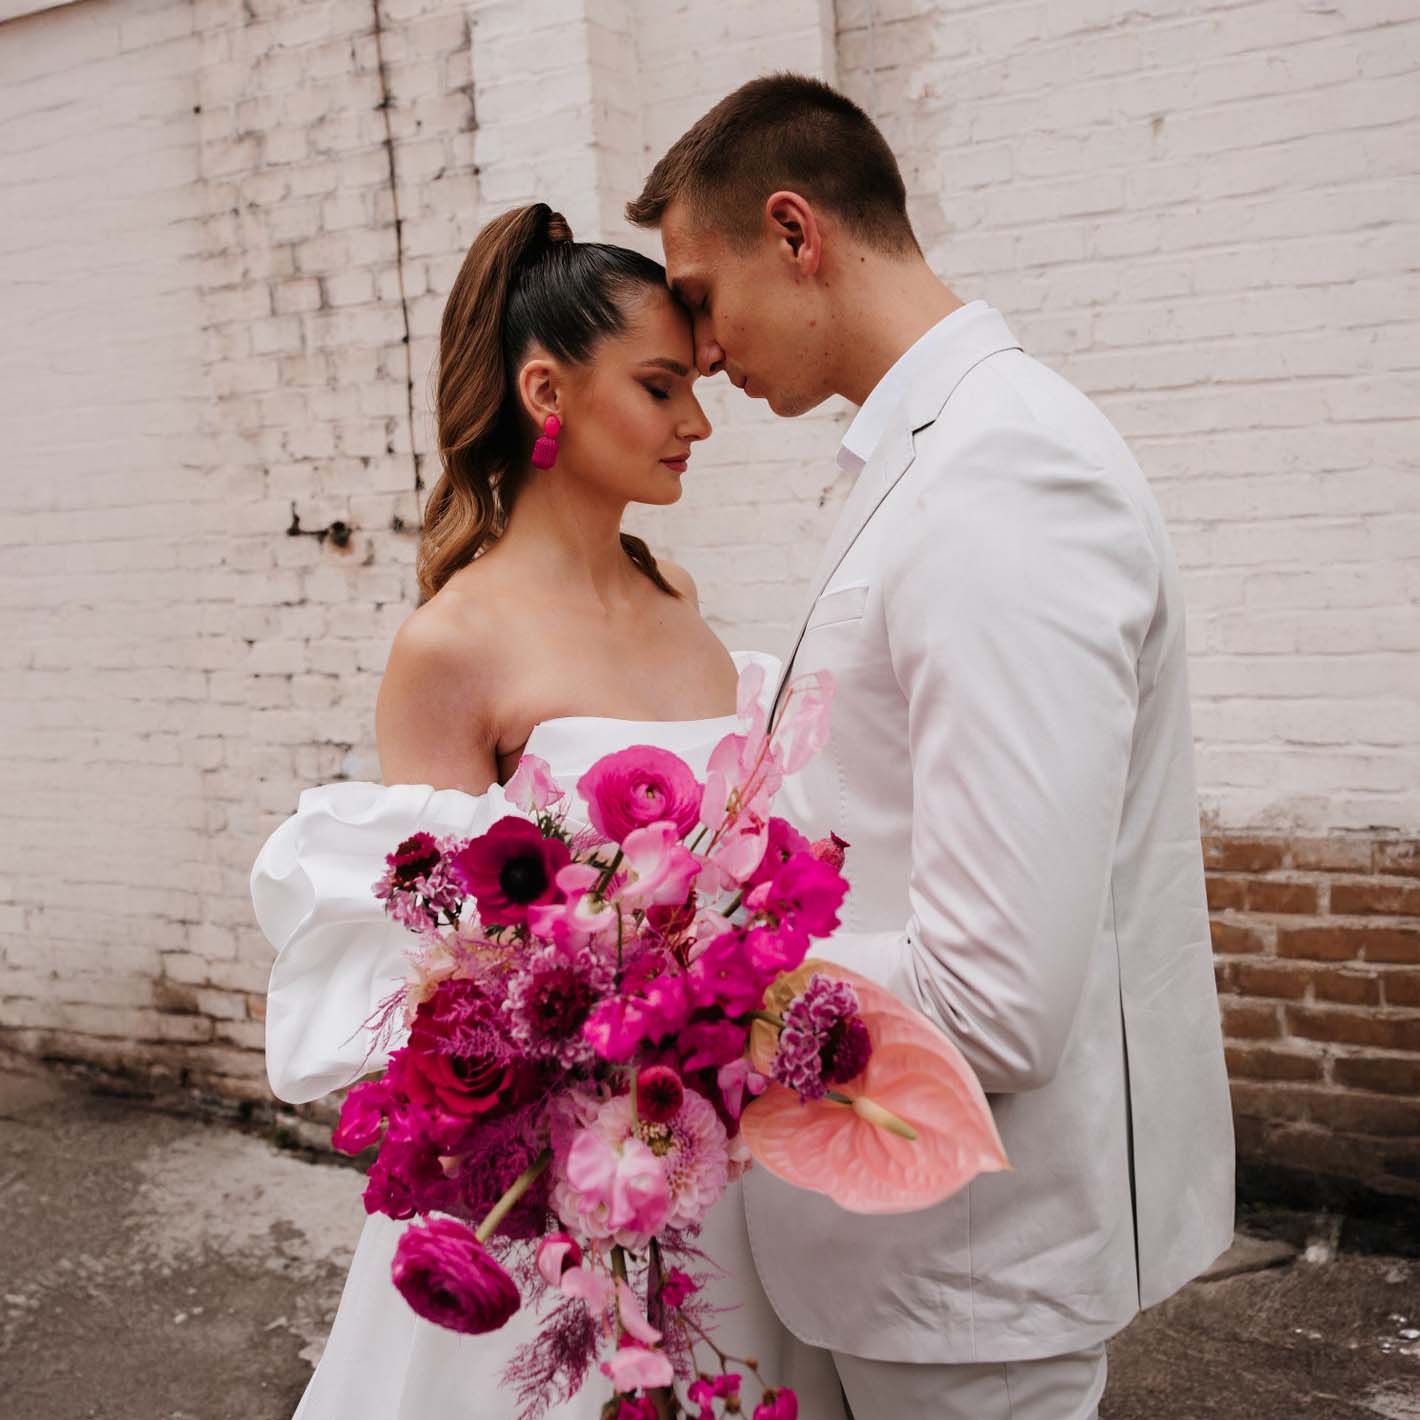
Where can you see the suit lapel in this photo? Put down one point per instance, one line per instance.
(987, 335)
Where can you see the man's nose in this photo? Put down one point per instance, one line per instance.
(709, 358)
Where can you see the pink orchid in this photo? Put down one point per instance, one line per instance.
(802, 727)
(636, 1368)
(633, 1319)
(532, 787)
(662, 868)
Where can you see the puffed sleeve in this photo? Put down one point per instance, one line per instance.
(337, 953)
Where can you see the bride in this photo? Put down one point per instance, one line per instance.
(565, 393)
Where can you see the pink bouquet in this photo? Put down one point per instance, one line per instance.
(579, 1085)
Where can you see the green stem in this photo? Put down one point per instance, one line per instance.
(516, 1189)
(607, 873)
(768, 1017)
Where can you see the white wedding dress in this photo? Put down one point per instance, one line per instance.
(337, 956)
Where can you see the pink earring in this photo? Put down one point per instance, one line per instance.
(544, 453)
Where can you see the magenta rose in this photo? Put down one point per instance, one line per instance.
(446, 1275)
(639, 786)
(783, 842)
(433, 1071)
(509, 869)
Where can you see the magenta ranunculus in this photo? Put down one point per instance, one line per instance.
(807, 892)
(784, 841)
(779, 1403)
(639, 786)
(362, 1113)
(509, 869)
(447, 1276)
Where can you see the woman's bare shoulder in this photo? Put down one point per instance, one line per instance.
(679, 578)
(436, 716)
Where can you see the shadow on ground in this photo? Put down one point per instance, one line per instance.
(154, 1267)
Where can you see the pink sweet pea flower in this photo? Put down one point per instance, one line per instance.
(737, 1079)
(662, 867)
(779, 1403)
(633, 1319)
(802, 728)
(749, 701)
(532, 787)
(586, 918)
(648, 1011)
(639, 786)
(807, 893)
(582, 1284)
(636, 1368)
(722, 976)
(555, 1254)
(783, 841)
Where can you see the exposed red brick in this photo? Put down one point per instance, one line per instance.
(1401, 988)
(1306, 1146)
(1259, 1101)
(1267, 895)
(1390, 899)
(256, 1006)
(1348, 988)
(1243, 855)
(1258, 1062)
(1399, 856)
(1224, 893)
(1320, 943)
(1248, 1020)
(1230, 937)
(1393, 944)
(1285, 982)
(1353, 1113)
(1330, 855)
(1392, 1074)
(1354, 1027)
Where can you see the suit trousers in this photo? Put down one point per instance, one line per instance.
(1065, 1387)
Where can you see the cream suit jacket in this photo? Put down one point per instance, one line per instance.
(1012, 762)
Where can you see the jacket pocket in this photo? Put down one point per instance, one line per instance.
(841, 604)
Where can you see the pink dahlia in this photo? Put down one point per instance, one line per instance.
(509, 869)
(551, 995)
(447, 1276)
(639, 786)
(824, 1041)
(690, 1147)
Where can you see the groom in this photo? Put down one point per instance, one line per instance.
(1012, 761)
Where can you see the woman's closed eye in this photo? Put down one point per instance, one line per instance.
(657, 393)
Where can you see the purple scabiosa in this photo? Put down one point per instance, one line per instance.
(823, 1042)
(551, 995)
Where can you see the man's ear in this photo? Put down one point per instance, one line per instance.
(540, 389)
(793, 222)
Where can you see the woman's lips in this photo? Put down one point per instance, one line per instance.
(679, 465)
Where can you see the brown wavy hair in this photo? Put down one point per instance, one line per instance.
(524, 281)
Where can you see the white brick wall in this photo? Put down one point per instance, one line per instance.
(1205, 216)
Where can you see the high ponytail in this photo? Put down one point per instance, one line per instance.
(524, 280)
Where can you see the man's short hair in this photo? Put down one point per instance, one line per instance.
(782, 131)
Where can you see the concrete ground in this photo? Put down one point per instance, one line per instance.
(156, 1267)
